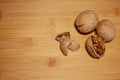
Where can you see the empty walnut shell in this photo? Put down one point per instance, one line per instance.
(66, 43)
(62, 36)
(64, 46)
(95, 46)
(73, 46)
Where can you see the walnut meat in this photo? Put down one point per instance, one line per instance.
(95, 46)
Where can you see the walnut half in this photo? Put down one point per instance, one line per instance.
(95, 46)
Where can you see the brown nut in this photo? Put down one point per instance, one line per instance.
(66, 43)
(64, 46)
(73, 46)
(62, 36)
(106, 30)
(86, 21)
(95, 46)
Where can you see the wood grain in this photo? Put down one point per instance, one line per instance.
(28, 50)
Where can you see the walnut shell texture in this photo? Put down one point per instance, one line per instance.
(86, 21)
(106, 30)
(66, 43)
(95, 46)
(73, 46)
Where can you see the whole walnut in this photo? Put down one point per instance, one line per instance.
(106, 30)
(86, 21)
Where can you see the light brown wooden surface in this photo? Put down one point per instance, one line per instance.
(28, 50)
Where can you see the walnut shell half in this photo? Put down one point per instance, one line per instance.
(66, 43)
(95, 46)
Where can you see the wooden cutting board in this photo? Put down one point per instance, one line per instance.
(28, 50)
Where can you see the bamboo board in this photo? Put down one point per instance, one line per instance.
(28, 50)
